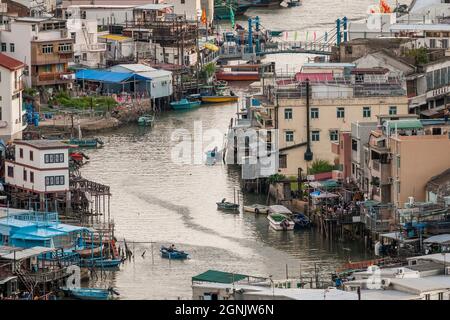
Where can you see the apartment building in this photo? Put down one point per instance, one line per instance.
(336, 101)
(403, 156)
(11, 87)
(87, 51)
(44, 45)
(39, 169)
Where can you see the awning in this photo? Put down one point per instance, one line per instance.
(439, 239)
(323, 195)
(405, 124)
(106, 76)
(219, 277)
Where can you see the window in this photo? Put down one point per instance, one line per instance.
(84, 56)
(65, 47)
(315, 135)
(31, 155)
(340, 113)
(427, 296)
(54, 181)
(33, 27)
(354, 145)
(46, 68)
(314, 113)
(398, 162)
(432, 43)
(54, 158)
(367, 112)
(441, 296)
(283, 161)
(334, 135)
(288, 114)
(21, 153)
(0, 113)
(183, 1)
(10, 172)
(11, 47)
(289, 136)
(3, 46)
(31, 176)
(73, 35)
(24, 174)
(392, 110)
(60, 67)
(47, 48)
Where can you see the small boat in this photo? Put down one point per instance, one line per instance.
(225, 205)
(185, 104)
(146, 120)
(85, 143)
(213, 156)
(88, 252)
(238, 75)
(90, 293)
(257, 208)
(301, 221)
(173, 254)
(219, 99)
(280, 222)
(78, 156)
(100, 263)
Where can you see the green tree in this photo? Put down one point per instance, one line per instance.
(320, 166)
(420, 55)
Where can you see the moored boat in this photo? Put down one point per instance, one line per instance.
(225, 205)
(173, 254)
(238, 75)
(257, 208)
(301, 221)
(280, 222)
(89, 252)
(219, 99)
(85, 143)
(89, 293)
(146, 120)
(185, 104)
(100, 263)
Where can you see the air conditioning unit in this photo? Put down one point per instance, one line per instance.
(385, 283)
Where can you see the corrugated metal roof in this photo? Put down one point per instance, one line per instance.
(440, 239)
(27, 253)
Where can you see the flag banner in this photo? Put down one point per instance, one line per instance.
(204, 19)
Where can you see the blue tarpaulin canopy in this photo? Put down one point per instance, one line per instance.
(107, 76)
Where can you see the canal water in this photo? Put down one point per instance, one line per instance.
(157, 201)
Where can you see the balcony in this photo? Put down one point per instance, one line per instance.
(382, 171)
(52, 78)
(93, 47)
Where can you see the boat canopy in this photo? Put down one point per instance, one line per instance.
(219, 277)
(107, 76)
(27, 253)
(323, 195)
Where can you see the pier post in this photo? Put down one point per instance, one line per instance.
(338, 32)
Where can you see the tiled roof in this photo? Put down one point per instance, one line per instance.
(10, 63)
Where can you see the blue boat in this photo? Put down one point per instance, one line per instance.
(185, 104)
(100, 263)
(89, 293)
(174, 254)
(301, 221)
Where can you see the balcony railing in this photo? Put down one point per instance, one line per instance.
(93, 47)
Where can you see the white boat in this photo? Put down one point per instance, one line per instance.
(257, 208)
(280, 222)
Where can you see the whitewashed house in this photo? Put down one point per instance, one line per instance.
(160, 84)
(87, 51)
(11, 87)
(39, 167)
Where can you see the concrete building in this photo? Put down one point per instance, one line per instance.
(11, 87)
(335, 103)
(44, 45)
(118, 48)
(87, 51)
(39, 170)
(404, 155)
(438, 188)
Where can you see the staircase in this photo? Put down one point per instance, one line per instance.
(26, 280)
